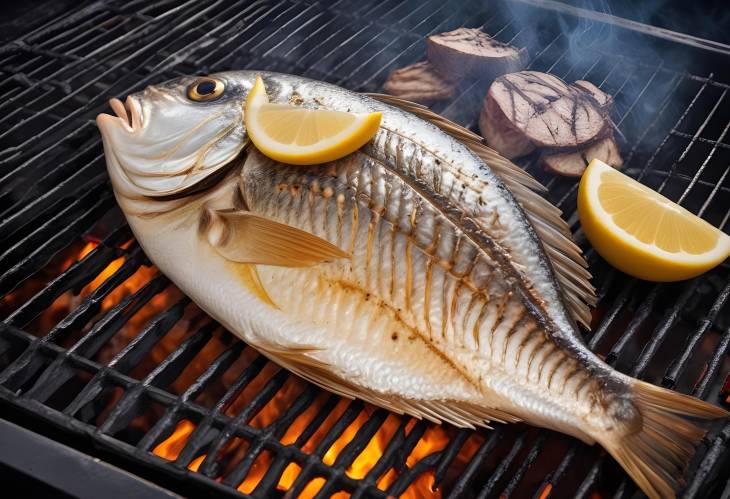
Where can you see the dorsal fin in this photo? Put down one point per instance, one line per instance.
(566, 257)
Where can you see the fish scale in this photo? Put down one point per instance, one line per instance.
(423, 273)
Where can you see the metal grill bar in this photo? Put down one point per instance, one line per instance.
(67, 68)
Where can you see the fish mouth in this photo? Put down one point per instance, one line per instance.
(128, 112)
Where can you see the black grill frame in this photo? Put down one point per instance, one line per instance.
(48, 202)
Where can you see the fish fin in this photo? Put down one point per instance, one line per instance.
(566, 257)
(244, 237)
(457, 413)
(657, 453)
(250, 277)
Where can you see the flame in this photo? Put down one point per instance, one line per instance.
(433, 440)
(68, 301)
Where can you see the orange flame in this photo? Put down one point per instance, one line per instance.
(433, 440)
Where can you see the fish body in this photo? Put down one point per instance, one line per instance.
(419, 273)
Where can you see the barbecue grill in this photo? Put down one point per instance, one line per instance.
(101, 353)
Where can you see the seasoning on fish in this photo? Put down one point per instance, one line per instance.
(421, 273)
(419, 82)
(530, 109)
(470, 52)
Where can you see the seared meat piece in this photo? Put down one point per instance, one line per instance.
(573, 163)
(499, 131)
(471, 52)
(603, 100)
(419, 82)
(532, 109)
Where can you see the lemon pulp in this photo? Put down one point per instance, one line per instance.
(641, 232)
(303, 136)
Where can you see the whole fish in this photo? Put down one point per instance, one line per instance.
(422, 273)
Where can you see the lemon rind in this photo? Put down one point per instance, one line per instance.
(348, 140)
(715, 255)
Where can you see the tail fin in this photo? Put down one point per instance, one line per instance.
(657, 454)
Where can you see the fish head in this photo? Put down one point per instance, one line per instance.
(168, 138)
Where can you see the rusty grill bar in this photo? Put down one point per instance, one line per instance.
(54, 196)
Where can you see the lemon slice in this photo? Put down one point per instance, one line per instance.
(302, 136)
(642, 233)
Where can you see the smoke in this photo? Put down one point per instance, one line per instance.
(615, 28)
(582, 36)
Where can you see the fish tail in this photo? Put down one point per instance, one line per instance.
(657, 448)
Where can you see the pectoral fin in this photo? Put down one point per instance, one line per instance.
(245, 237)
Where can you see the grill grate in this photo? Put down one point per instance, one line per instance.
(93, 370)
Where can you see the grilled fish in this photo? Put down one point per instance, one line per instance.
(423, 273)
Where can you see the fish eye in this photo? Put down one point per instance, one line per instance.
(205, 89)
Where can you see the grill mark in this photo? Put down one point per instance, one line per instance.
(445, 311)
(409, 274)
(437, 181)
(297, 201)
(454, 301)
(455, 252)
(514, 327)
(325, 217)
(473, 264)
(340, 218)
(453, 183)
(467, 314)
(538, 348)
(310, 198)
(355, 225)
(393, 241)
(431, 248)
(558, 365)
(418, 159)
(393, 236)
(369, 248)
(552, 349)
(529, 335)
(427, 297)
(581, 385)
(371, 192)
(478, 323)
(573, 117)
(290, 199)
(380, 243)
(577, 369)
(498, 320)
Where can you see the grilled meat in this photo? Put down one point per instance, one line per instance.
(469, 52)
(573, 163)
(531, 109)
(419, 82)
(601, 98)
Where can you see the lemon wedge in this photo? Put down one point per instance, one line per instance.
(302, 136)
(642, 233)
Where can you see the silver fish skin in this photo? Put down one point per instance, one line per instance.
(407, 274)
